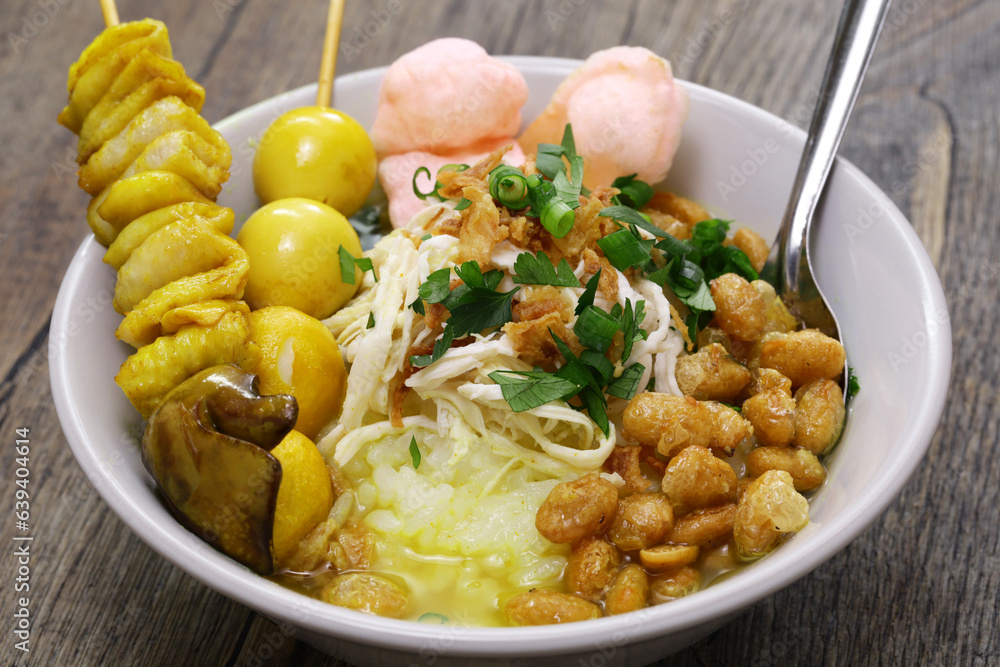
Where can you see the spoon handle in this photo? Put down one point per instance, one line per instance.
(857, 32)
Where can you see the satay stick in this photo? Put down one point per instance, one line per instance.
(329, 64)
(110, 12)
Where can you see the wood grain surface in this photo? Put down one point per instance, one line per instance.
(920, 586)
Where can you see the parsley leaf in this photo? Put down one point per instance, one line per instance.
(853, 385)
(442, 345)
(530, 389)
(538, 270)
(589, 292)
(631, 331)
(371, 321)
(415, 452)
(437, 287)
(347, 262)
(627, 384)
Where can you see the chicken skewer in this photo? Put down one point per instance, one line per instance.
(154, 168)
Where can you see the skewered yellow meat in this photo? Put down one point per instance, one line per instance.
(127, 199)
(147, 78)
(162, 117)
(102, 61)
(175, 152)
(154, 168)
(155, 369)
(136, 231)
(184, 263)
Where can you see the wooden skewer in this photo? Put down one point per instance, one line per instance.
(329, 64)
(110, 12)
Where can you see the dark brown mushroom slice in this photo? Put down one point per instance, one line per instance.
(206, 448)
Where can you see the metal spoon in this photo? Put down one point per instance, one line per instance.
(788, 267)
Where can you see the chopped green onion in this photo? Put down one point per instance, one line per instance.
(624, 250)
(634, 193)
(416, 190)
(509, 186)
(463, 204)
(595, 328)
(558, 218)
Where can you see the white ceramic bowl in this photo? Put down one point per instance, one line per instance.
(734, 158)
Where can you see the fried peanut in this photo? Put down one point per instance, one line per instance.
(626, 462)
(628, 591)
(770, 508)
(544, 607)
(674, 584)
(753, 245)
(642, 520)
(729, 428)
(577, 509)
(365, 592)
(775, 311)
(806, 470)
(591, 567)
(695, 479)
(668, 556)
(768, 378)
(772, 413)
(671, 423)
(739, 308)
(704, 528)
(819, 415)
(711, 374)
(803, 356)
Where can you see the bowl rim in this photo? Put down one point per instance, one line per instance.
(754, 583)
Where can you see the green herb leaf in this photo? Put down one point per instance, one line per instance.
(853, 384)
(463, 204)
(346, 265)
(371, 321)
(418, 306)
(596, 406)
(589, 292)
(632, 217)
(415, 452)
(441, 345)
(524, 390)
(631, 331)
(634, 193)
(595, 328)
(538, 270)
(600, 366)
(624, 250)
(437, 286)
(627, 384)
(482, 309)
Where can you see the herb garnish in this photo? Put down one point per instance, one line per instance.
(414, 452)
(853, 385)
(538, 270)
(347, 262)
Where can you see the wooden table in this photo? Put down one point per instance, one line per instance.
(925, 130)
